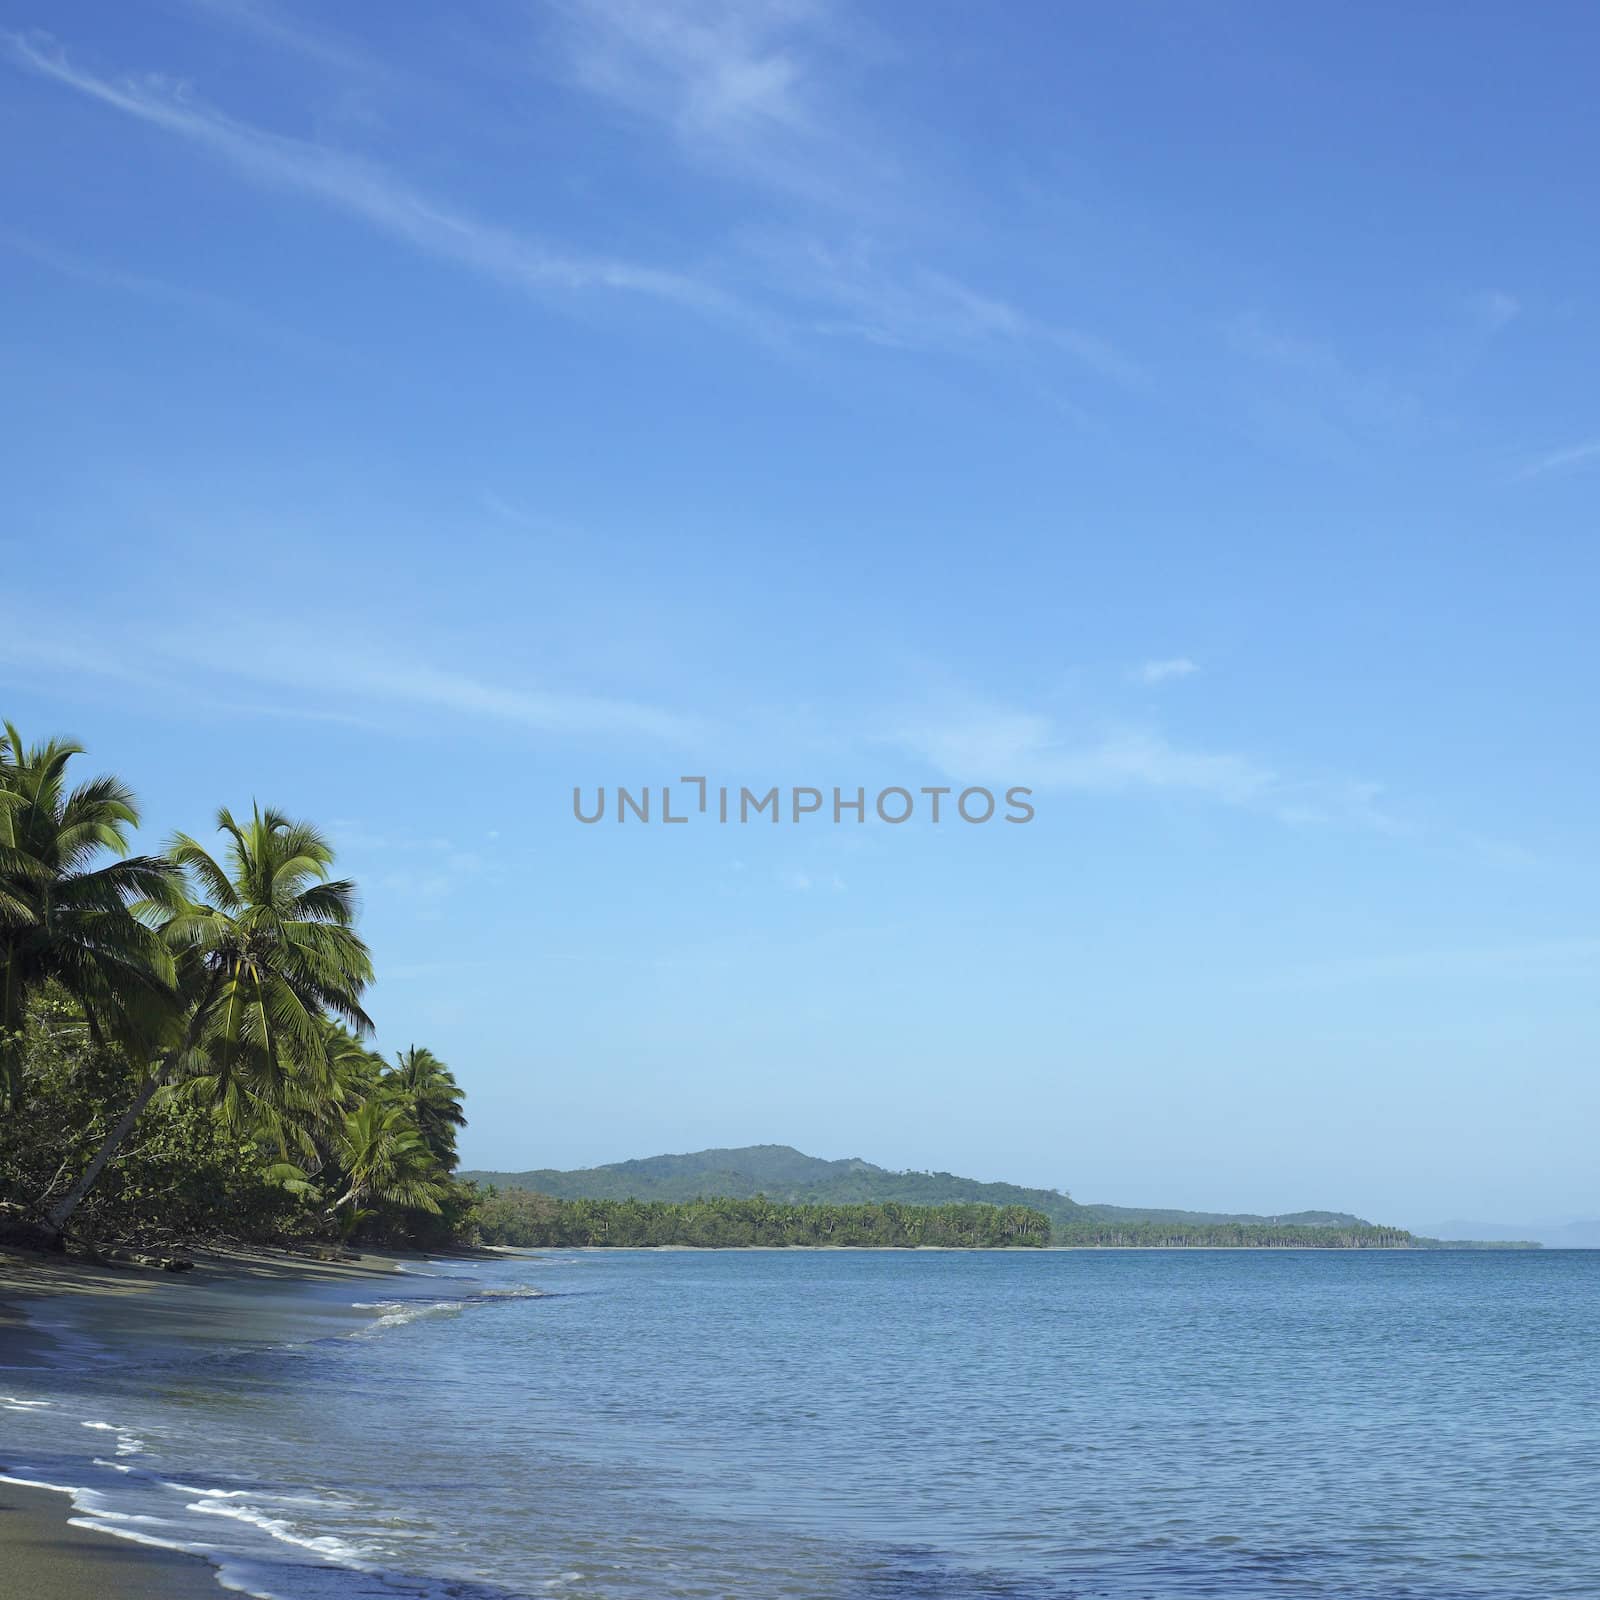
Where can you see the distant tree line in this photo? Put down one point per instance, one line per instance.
(783, 1174)
(1236, 1236)
(522, 1217)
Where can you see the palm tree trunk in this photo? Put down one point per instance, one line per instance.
(61, 1213)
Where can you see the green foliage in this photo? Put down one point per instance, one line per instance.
(180, 1035)
(1231, 1236)
(784, 1173)
(522, 1217)
(69, 915)
(777, 1170)
(181, 1054)
(268, 952)
(426, 1085)
(184, 1175)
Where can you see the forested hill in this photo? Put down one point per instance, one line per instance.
(781, 1172)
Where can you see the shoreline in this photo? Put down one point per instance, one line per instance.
(1001, 1249)
(52, 1547)
(54, 1542)
(52, 1552)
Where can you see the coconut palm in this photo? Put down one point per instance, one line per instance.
(67, 915)
(424, 1083)
(265, 954)
(303, 1126)
(384, 1157)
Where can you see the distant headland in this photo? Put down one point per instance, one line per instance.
(782, 1175)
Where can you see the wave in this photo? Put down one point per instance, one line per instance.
(128, 1442)
(327, 1545)
(262, 1540)
(398, 1313)
(256, 1573)
(242, 1570)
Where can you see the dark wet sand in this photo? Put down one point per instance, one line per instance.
(43, 1556)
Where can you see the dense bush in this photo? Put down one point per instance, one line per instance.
(180, 1033)
(182, 1174)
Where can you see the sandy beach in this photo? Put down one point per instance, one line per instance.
(48, 1551)
(47, 1557)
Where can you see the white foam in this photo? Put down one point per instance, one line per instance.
(253, 1494)
(98, 1515)
(38, 1483)
(397, 1313)
(118, 1530)
(128, 1442)
(240, 1576)
(328, 1545)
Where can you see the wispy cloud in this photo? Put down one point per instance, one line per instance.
(1133, 759)
(978, 741)
(1493, 309)
(55, 651)
(712, 67)
(864, 292)
(520, 516)
(1581, 455)
(974, 741)
(364, 190)
(801, 882)
(1309, 393)
(1154, 672)
(267, 23)
(214, 308)
(367, 674)
(755, 90)
(313, 679)
(722, 77)
(736, 87)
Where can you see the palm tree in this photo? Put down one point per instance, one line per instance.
(427, 1085)
(304, 1126)
(384, 1157)
(66, 915)
(266, 954)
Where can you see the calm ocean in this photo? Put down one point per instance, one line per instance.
(648, 1426)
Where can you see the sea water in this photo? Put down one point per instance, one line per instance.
(864, 1425)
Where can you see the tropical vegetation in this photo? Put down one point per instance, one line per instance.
(523, 1217)
(185, 1054)
(183, 1046)
(780, 1173)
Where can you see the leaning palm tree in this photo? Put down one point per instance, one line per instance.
(265, 954)
(384, 1157)
(68, 915)
(428, 1086)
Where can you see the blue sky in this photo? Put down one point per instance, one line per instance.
(1185, 411)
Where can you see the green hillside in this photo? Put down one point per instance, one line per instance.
(784, 1174)
(781, 1173)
